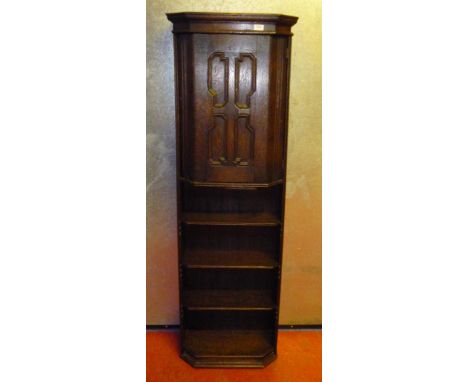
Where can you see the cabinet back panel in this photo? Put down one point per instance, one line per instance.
(225, 320)
(229, 279)
(205, 199)
(225, 238)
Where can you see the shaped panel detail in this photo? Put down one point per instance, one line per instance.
(218, 79)
(245, 79)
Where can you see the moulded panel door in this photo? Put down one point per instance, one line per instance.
(230, 106)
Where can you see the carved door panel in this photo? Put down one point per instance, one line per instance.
(230, 108)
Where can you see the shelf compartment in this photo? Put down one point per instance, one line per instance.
(228, 300)
(232, 201)
(228, 343)
(219, 319)
(214, 259)
(230, 247)
(230, 279)
(261, 219)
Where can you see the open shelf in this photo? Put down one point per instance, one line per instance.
(262, 219)
(229, 279)
(228, 300)
(228, 343)
(235, 247)
(231, 200)
(203, 258)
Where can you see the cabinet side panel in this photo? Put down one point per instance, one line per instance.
(208, 93)
(280, 153)
(260, 105)
(179, 118)
(278, 106)
(184, 100)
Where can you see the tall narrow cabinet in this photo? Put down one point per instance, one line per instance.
(232, 76)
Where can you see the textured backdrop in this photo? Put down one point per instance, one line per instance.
(301, 290)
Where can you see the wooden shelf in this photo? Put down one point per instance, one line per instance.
(230, 185)
(228, 299)
(228, 343)
(263, 219)
(206, 259)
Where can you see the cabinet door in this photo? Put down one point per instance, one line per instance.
(230, 108)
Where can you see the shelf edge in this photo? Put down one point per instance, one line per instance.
(231, 185)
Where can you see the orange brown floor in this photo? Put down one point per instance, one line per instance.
(299, 359)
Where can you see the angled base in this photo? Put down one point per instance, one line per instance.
(228, 362)
(228, 348)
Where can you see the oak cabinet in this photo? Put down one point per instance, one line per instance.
(232, 76)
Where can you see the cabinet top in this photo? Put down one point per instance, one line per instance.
(237, 23)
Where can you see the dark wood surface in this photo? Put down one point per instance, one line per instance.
(229, 319)
(200, 258)
(231, 218)
(232, 23)
(227, 185)
(253, 343)
(244, 299)
(232, 75)
(229, 278)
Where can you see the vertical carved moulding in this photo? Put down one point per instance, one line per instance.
(218, 83)
(242, 79)
(244, 87)
(217, 142)
(243, 141)
(214, 79)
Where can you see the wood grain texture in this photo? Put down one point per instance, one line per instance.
(263, 219)
(242, 343)
(245, 299)
(236, 132)
(228, 258)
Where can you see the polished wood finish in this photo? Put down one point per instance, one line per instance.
(248, 258)
(232, 76)
(225, 299)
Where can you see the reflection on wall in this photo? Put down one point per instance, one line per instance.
(302, 274)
